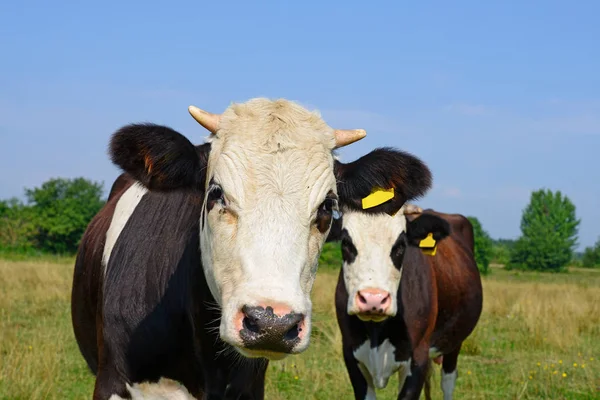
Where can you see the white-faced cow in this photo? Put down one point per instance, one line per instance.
(200, 266)
(398, 305)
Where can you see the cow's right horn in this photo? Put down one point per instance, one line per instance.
(412, 209)
(344, 137)
(204, 118)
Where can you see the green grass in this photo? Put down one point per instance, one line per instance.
(535, 327)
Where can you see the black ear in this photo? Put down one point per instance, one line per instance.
(420, 227)
(159, 157)
(382, 168)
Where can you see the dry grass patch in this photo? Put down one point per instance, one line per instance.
(38, 353)
(538, 338)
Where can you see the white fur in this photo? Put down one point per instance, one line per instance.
(373, 236)
(371, 394)
(378, 364)
(403, 373)
(123, 210)
(274, 162)
(434, 352)
(165, 389)
(448, 382)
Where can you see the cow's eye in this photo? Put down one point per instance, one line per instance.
(326, 212)
(215, 196)
(330, 207)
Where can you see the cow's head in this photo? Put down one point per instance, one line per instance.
(271, 189)
(373, 252)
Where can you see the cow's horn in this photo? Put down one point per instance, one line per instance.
(344, 137)
(206, 119)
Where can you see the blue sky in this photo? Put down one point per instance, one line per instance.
(499, 98)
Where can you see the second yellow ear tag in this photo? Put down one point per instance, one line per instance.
(428, 245)
(378, 196)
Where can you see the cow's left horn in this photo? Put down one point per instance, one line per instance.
(206, 119)
(344, 137)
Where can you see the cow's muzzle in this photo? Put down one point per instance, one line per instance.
(264, 329)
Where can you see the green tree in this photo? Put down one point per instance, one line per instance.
(483, 246)
(549, 233)
(62, 209)
(591, 256)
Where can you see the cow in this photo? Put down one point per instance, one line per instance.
(200, 265)
(409, 291)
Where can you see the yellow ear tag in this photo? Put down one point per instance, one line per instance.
(378, 196)
(428, 245)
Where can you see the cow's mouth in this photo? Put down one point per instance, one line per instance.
(368, 317)
(270, 355)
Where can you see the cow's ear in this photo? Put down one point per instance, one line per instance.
(421, 227)
(159, 157)
(391, 176)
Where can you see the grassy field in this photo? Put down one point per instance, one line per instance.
(539, 338)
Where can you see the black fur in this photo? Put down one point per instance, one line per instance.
(398, 251)
(349, 251)
(420, 227)
(385, 168)
(158, 313)
(158, 156)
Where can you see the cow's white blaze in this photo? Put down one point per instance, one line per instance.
(373, 236)
(125, 207)
(274, 164)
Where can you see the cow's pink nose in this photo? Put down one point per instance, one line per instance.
(373, 301)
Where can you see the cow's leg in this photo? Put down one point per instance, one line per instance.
(109, 382)
(449, 373)
(363, 390)
(414, 381)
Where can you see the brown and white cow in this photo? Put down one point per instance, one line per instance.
(200, 266)
(398, 305)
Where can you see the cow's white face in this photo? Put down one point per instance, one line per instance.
(373, 249)
(271, 193)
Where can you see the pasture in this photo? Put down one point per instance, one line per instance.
(538, 338)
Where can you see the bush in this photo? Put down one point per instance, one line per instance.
(500, 254)
(501, 250)
(17, 230)
(331, 256)
(483, 246)
(591, 256)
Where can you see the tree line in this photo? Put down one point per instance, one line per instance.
(55, 215)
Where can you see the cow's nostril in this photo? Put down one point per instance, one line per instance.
(387, 298)
(292, 333)
(251, 325)
(362, 299)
